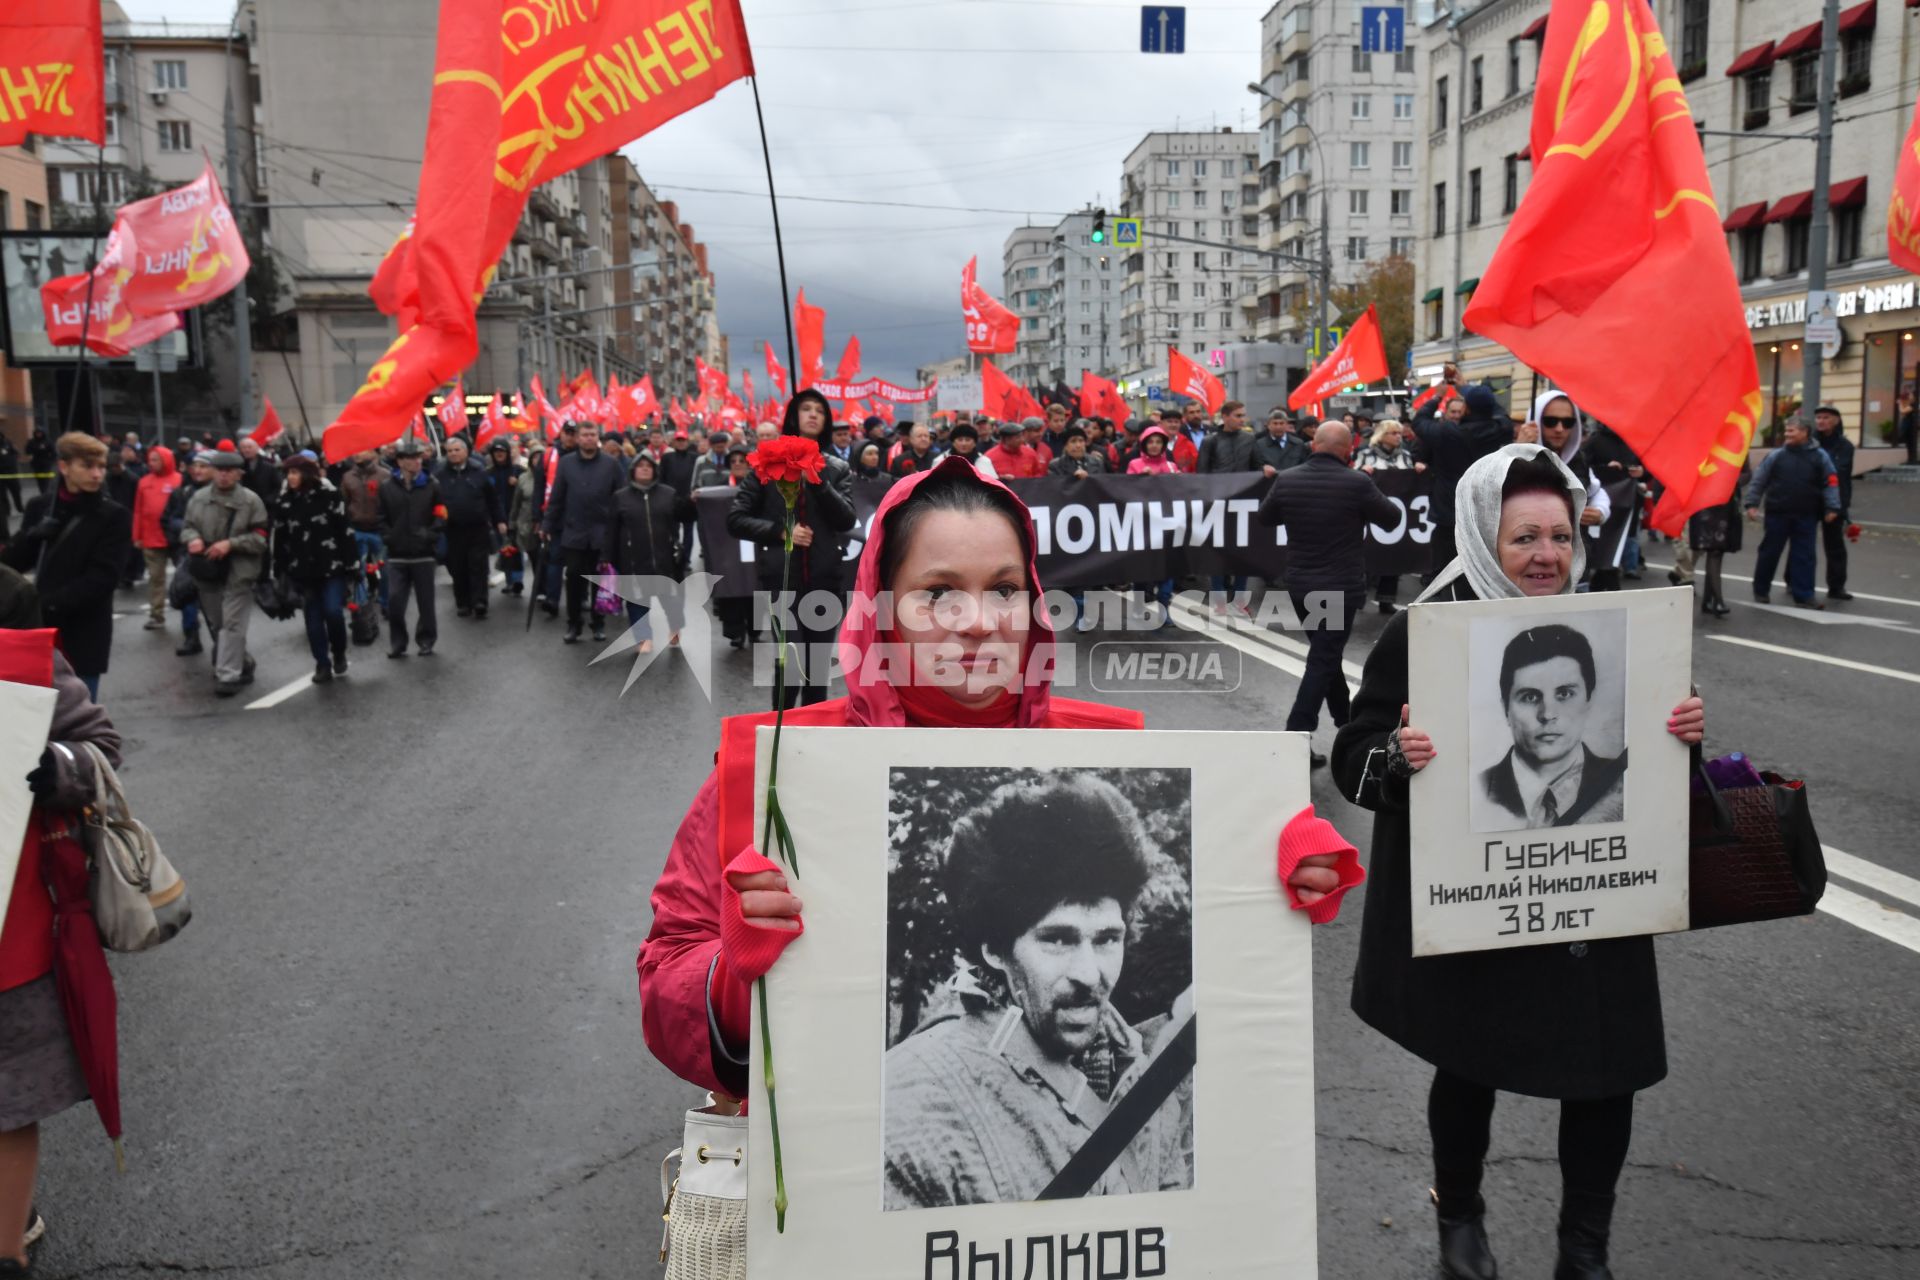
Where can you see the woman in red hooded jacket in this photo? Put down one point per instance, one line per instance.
(946, 537)
(150, 532)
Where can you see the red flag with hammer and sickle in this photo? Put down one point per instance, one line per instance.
(1903, 210)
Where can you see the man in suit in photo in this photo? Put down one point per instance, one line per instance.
(1550, 777)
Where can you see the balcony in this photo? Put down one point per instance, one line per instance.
(1298, 184)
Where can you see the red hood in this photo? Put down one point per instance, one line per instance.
(877, 703)
(160, 460)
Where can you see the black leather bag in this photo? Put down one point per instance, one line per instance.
(208, 572)
(1753, 852)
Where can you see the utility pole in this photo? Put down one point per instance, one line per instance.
(1325, 273)
(242, 304)
(1457, 109)
(1817, 229)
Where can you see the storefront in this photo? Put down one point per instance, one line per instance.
(1868, 377)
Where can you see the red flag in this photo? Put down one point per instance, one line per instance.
(679, 416)
(746, 383)
(270, 427)
(991, 328)
(713, 382)
(391, 276)
(453, 410)
(1903, 209)
(1582, 289)
(884, 410)
(1099, 398)
(1003, 398)
(113, 329)
(52, 71)
(776, 373)
(493, 424)
(1443, 390)
(517, 102)
(1360, 357)
(1186, 378)
(849, 369)
(810, 327)
(188, 249)
(646, 404)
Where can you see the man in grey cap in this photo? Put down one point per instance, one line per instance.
(412, 514)
(225, 531)
(1013, 458)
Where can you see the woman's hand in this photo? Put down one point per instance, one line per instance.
(803, 535)
(1689, 721)
(765, 901)
(1314, 878)
(1589, 515)
(1415, 745)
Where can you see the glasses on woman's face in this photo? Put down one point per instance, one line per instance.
(1554, 420)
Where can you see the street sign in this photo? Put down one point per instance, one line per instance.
(1823, 321)
(1163, 28)
(1383, 30)
(959, 391)
(156, 357)
(1126, 233)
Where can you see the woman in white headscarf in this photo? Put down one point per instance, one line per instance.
(1577, 1023)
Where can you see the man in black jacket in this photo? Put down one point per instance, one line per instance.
(1229, 451)
(1831, 435)
(579, 513)
(262, 474)
(75, 542)
(1326, 507)
(474, 515)
(1470, 427)
(1277, 449)
(676, 472)
(411, 511)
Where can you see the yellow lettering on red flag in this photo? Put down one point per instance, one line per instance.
(52, 70)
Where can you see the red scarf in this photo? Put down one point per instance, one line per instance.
(929, 707)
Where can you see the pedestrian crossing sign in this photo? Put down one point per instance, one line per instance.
(1126, 233)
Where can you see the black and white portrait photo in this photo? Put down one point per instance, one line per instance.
(1040, 1027)
(1548, 721)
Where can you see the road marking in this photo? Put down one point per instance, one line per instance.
(1208, 623)
(280, 695)
(1872, 875)
(1235, 640)
(1858, 595)
(1831, 661)
(1864, 913)
(1826, 617)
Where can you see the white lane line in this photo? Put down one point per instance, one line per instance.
(1831, 661)
(1872, 875)
(1862, 595)
(1864, 913)
(267, 701)
(1212, 624)
(1253, 649)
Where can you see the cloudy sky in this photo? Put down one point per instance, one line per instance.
(984, 113)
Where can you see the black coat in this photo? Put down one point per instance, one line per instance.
(76, 552)
(644, 535)
(1282, 454)
(759, 515)
(1326, 507)
(1227, 451)
(471, 499)
(412, 526)
(580, 505)
(676, 470)
(1840, 449)
(1554, 1021)
(1719, 528)
(312, 540)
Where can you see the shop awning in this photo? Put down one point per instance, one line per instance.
(1797, 205)
(1536, 30)
(1801, 41)
(1851, 194)
(1467, 286)
(1859, 18)
(1758, 58)
(1747, 215)
(1432, 295)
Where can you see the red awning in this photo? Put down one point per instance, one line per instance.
(1797, 205)
(1536, 30)
(1851, 194)
(1858, 18)
(1758, 58)
(1747, 215)
(1804, 40)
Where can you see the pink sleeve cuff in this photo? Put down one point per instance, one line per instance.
(750, 949)
(1305, 836)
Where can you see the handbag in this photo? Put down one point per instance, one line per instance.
(139, 900)
(1752, 851)
(210, 572)
(182, 590)
(703, 1209)
(605, 603)
(275, 597)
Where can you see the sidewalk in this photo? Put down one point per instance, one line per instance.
(1891, 508)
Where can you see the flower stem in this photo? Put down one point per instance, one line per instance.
(773, 1113)
(781, 849)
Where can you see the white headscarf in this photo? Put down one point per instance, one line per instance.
(1476, 530)
(1596, 492)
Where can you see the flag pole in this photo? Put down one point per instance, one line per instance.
(93, 260)
(779, 249)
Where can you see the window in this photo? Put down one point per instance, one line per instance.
(1510, 195)
(1248, 164)
(1361, 108)
(1439, 208)
(1400, 202)
(1226, 319)
(1357, 201)
(1086, 308)
(1403, 155)
(1226, 228)
(1475, 83)
(170, 73)
(1759, 85)
(1752, 249)
(1440, 103)
(1173, 168)
(1226, 257)
(113, 129)
(1199, 319)
(1199, 262)
(1199, 290)
(1400, 246)
(1199, 168)
(1436, 317)
(1036, 298)
(1856, 61)
(1403, 60)
(1173, 258)
(1173, 291)
(1362, 61)
(1403, 106)
(1513, 67)
(1846, 234)
(36, 215)
(176, 135)
(1173, 199)
(1356, 248)
(1693, 38)
(1359, 154)
(1797, 244)
(1086, 331)
(1806, 83)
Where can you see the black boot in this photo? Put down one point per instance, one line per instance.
(1585, 1222)
(1464, 1253)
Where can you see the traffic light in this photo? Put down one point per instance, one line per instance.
(1099, 233)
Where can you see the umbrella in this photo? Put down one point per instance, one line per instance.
(81, 974)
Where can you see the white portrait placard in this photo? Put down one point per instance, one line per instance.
(26, 711)
(1555, 809)
(940, 1082)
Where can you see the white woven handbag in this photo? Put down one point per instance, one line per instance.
(703, 1212)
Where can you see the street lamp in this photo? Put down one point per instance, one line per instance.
(1324, 277)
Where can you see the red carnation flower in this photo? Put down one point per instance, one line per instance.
(788, 459)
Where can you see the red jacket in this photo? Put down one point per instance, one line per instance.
(150, 499)
(1028, 464)
(1186, 455)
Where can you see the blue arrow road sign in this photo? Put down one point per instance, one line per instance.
(1383, 30)
(1163, 28)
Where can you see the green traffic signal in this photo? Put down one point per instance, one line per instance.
(1099, 235)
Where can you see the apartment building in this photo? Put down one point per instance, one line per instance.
(1084, 283)
(1026, 272)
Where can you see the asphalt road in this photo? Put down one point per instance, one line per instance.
(401, 1037)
